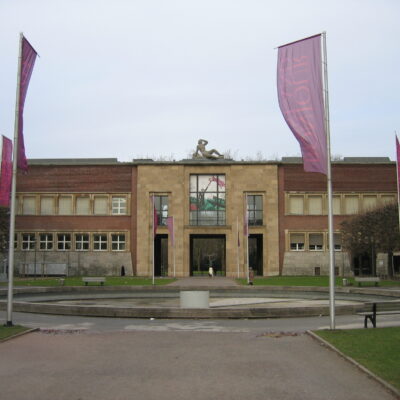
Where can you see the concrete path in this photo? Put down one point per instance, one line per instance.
(216, 281)
(178, 365)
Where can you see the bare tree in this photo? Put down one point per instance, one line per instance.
(373, 232)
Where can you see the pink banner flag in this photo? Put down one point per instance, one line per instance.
(28, 57)
(398, 166)
(300, 95)
(6, 172)
(170, 225)
(246, 224)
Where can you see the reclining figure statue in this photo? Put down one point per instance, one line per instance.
(210, 154)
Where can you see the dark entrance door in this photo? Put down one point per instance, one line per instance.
(256, 253)
(161, 255)
(362, 265)
(206, 251)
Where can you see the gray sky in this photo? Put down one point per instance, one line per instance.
(143, 78)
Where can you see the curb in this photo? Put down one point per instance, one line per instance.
(386, 385)
(19, 334)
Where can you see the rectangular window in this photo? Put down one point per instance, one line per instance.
(369, 202)
(46, 241)
(315, 205)
(161, 208)
(100, 242)
(81, 242)
(29, 205)
(64, 241)
(255, 210)
(336, 205)
(28, 241)
(100, 205)
(118, 242)
(83, 205)
(351, 205)
(118, 205)
(315, 242)
(207, 200)
(16, 241)
(337, 240)
(296, 205)
(46, 205)
(65, 205)
(297, 241)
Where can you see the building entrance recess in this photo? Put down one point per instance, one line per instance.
(256, 254)
(207, 251)
(161, 255)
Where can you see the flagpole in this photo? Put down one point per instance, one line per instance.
(173, 246)
(247, 241)
(237, 246)
(153, 236)
(329, 190)
(13, 194)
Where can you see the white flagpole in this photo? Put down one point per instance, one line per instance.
(329, 189)
(153, 239)
(173, 246)
(247, 240)
(237, 246)
(13, 195)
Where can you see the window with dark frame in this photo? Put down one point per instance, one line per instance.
(255, 209)
(161, 208)
(207, 200)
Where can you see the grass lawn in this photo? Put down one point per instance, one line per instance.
(77, 281)
(309, 281)
(6, 331)
(376, 349)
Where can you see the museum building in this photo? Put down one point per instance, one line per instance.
(104, 217)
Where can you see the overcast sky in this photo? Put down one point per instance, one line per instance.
(145, 78)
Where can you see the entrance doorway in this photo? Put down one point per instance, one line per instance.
(206, 251)
(161, 255)
(256, 254)
(362, 265)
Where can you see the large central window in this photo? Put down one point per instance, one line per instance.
(207, 200)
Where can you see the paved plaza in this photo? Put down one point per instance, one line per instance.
(85, 358)
(177, 365)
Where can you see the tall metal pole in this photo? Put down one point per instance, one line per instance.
(247, 240)
(329, 190)
(13, 195)
(153, 236)
(237, 246)
(173, 246)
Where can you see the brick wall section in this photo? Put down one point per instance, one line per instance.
(360, 177)
(82, 179)
(77, 178)
(345, 178)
